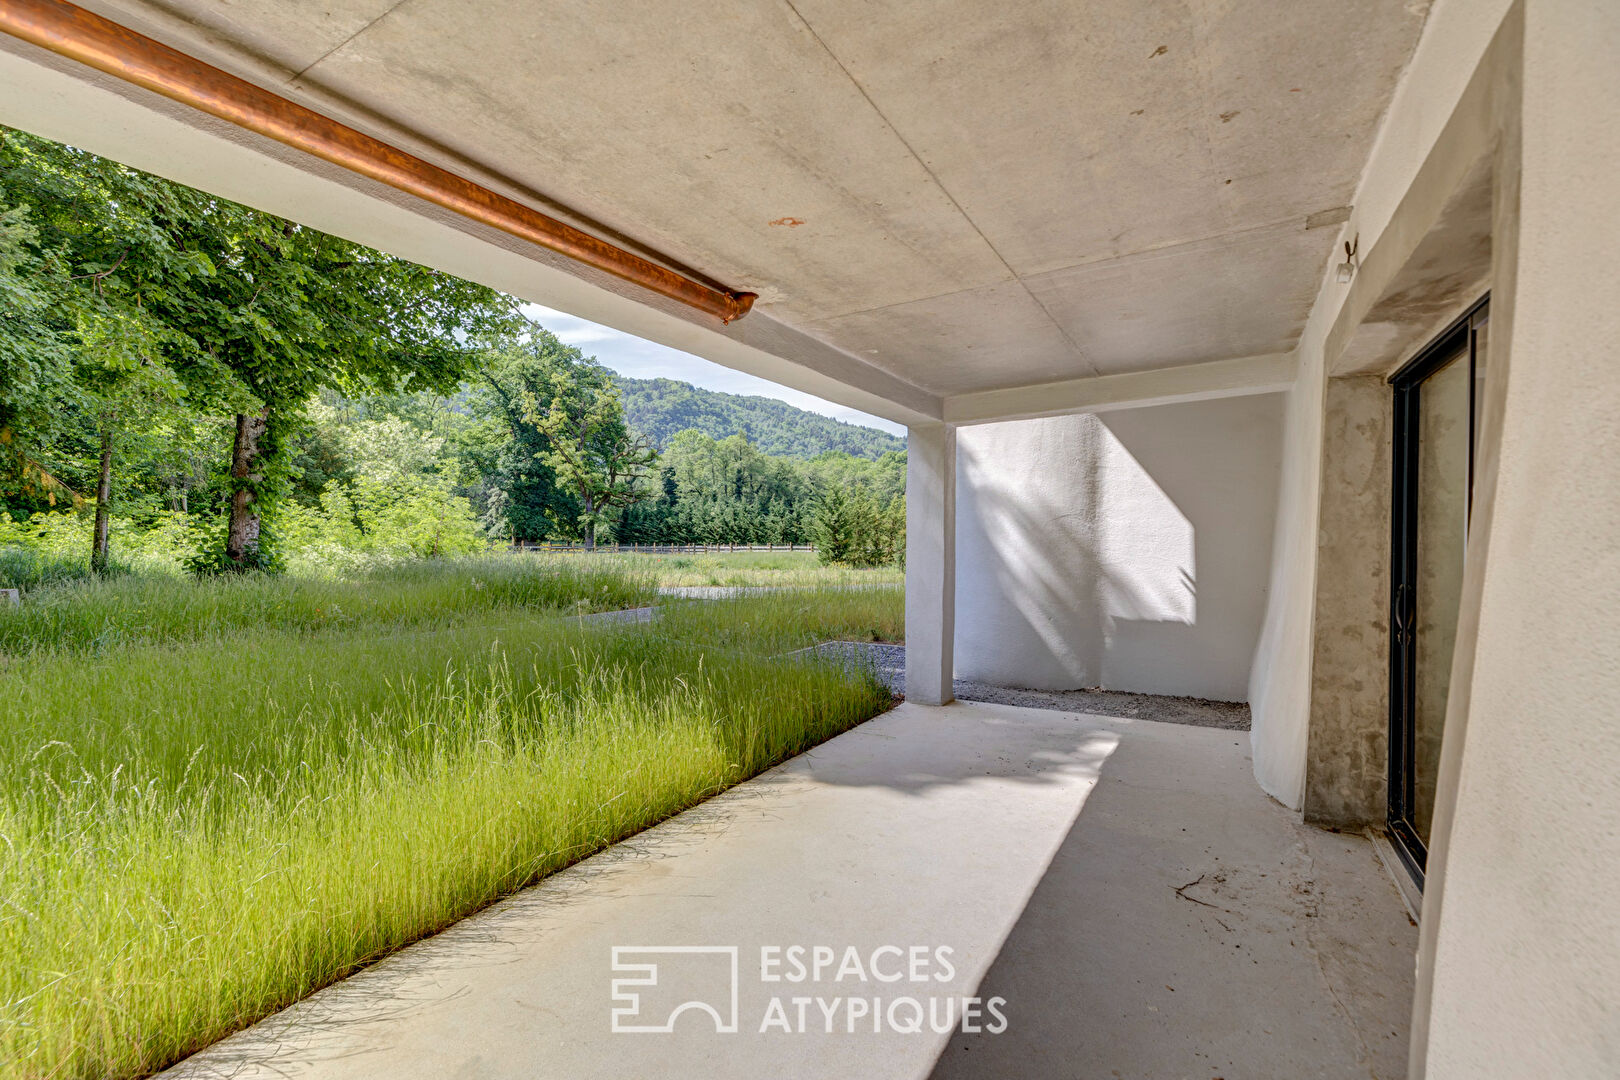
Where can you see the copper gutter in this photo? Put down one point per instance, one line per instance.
(77, 34)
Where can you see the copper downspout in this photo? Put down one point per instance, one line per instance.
(80, 35)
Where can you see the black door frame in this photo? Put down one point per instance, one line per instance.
(1461, 336)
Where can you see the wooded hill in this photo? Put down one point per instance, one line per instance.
(661, 408)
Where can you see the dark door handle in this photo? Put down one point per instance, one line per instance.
(1403, 615)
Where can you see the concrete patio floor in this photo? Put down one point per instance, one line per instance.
(1143, 909)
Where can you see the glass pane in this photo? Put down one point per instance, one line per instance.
(1444, 412)
(1482, 335)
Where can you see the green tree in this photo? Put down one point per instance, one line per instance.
(81, 248)
(855, 530)
(836, 541)
(592, 451)
(35, 361)
(894, 524)
(251, 312)
(124, 404)
(523, 500)
(394, 495)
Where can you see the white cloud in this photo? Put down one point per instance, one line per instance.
(584, 335)
(638, 358)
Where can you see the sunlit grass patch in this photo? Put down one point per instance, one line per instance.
(791, 568)
(780, 622)
(138, 609)
(196, 835)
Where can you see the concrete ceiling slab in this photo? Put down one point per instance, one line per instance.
(278, 36)
(739, 160)
(1071, 132)
(1191, 303)
(969, 195)
(994, 336)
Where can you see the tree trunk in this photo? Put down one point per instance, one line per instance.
(99, 546)
(590, 530)
(242, 535)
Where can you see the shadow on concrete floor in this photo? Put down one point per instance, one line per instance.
(1144, 909)
(1189, 927)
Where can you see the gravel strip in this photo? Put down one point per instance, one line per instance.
(622, 615)
(888, 662)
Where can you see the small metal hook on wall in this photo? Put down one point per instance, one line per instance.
(1347, 269)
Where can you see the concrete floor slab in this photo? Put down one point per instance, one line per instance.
(1032, 855)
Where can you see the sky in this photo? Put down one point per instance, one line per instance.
(638, 358)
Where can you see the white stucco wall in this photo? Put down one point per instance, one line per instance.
(1523, 943)
(1519, 967)
(1454, 38)
(1128, 549)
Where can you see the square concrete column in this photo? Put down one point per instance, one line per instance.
(930, 562)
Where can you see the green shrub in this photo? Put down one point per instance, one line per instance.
(26, 569)
(61, 539)
(854, 530)
(378, 519)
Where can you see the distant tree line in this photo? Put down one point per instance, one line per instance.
(724, 491)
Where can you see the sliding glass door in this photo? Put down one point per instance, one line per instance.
(1436, 428)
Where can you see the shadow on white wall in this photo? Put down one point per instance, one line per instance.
(1128, 550)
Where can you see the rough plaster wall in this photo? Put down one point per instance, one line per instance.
(1454, 37)
(1347, 751)
(1526, 968)
(1128, 549)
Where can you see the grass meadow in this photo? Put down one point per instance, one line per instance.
(792, 568)
(137, 609)
(218, 797)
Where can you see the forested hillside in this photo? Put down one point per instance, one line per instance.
(662, 408)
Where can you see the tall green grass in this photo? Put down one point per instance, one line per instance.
(197, 835)
(27, 569)
(781, 622)
(99, 615)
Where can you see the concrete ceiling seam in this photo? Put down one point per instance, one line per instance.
(298, 75)
(1079, 353)
(1332, 216)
